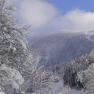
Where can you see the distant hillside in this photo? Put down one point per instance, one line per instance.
(58, 48)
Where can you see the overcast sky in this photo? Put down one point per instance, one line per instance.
(56, 15)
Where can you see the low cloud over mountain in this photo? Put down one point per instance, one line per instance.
(59, 48)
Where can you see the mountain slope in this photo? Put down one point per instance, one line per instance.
(58, 48)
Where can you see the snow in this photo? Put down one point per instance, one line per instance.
(14, 76)
(53, 88)
(2, 92)
(89, 35)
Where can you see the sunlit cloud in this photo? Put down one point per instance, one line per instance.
(37, 12)
(78, 21)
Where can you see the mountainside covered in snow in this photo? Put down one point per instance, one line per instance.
(59, 48)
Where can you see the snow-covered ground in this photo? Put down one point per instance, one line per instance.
(58, 88)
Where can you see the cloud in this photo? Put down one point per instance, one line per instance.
(78, 21)
(11, 2)
(37, 12)
(42, 15)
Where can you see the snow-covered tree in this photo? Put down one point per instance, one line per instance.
(14, 54)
